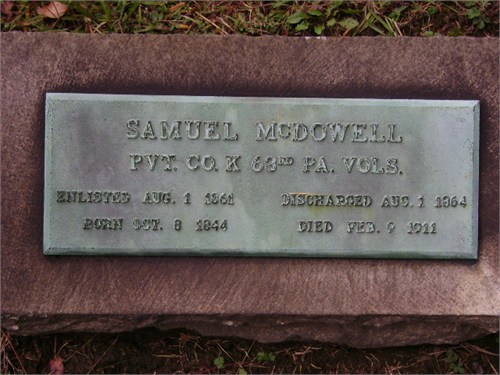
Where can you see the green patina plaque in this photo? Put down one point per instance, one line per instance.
(187, 175)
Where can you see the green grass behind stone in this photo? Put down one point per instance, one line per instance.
(289, 18)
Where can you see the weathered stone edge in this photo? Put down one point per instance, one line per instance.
(377, 330)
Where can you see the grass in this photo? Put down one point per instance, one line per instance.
(289, 18)
(152, 351)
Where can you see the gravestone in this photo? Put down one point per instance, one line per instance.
(359, 302)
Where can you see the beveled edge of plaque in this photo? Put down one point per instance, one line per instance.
(47, 171)
(352, 254)
(475, 180)
(238, 253)
(258, 99)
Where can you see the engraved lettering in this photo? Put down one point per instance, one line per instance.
(133, 128)
(152, 159)
(396, 201)
(146, 224)
(268, 133)
(319, 132)
(256, 164)
(171, 132)
(102, 224)
(338, 130)
(373, 137)
(375, 167)
(392, 167)
(309, 161)
(227, 132)
(284, 133)
(219, 198)
(91, 196)
(322, 133)
(450, 201)
(270, 164)
(300, 132)
(349, 163)
(177, 224)
(148, 132)
(210, 127)
(422, 228)
(193, 162)
(392, 138)
(322, 168)
(390, 227)
(321, 165)
(366, 165)
(169, 160)
(360, 227)
(358, 132)
(206, 162)
(214, 225)
(134, 160)
(314, 226)
(189, 129)
(157, 197)
(285, 160)
(325, 200)
(60, 196)
(231, 163)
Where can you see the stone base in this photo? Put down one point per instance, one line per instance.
(359, 302)
(354, 331)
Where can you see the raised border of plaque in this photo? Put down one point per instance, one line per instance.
(250, 176)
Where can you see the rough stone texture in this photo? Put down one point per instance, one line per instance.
(356, 302)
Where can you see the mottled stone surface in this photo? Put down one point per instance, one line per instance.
(356, 302)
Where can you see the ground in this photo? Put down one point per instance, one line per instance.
(153, 351)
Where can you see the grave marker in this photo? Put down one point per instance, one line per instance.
(358, 302)
(183, 175)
